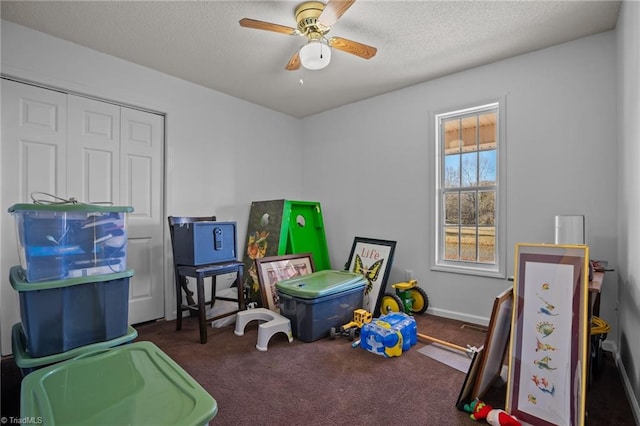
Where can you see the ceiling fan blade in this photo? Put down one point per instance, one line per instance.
(294, 62)
(353, 47)
(267, 26)
(333, 11)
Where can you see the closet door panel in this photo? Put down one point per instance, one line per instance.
(141, 159)
(93, 173)
(33, 159)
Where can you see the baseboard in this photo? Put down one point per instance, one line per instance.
(460, 316)
(628, 390)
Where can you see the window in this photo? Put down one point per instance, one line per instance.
(468, 232)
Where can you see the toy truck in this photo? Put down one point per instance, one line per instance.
(360, 318)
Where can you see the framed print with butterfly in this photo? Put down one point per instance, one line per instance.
(373, 259)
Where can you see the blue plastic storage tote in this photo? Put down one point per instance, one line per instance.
(316, 302)
(65, 314)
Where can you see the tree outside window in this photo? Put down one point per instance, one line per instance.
(468, 187)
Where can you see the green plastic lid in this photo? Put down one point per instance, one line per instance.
(321, 283)
(135, 384)
(69, 207)
(24, 360)
(20, 283)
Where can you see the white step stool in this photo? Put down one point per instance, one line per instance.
(273, 324)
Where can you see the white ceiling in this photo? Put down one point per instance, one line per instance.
(202, 42)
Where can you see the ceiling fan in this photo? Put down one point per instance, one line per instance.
(314, 20)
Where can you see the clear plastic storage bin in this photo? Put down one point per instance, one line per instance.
(58, 241)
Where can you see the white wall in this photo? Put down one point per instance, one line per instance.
(628, 32)
(372, 166)
(222, 153)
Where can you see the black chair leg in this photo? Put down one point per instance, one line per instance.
(178, 302)
(202, 310)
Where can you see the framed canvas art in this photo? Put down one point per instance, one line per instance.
(549, 335)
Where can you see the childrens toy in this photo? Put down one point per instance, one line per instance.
(498, 417)
(408, 298)
(495, 417)
(360, 318)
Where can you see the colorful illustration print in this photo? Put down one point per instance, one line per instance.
(544, 355)
(543, 363)
(256, 249)
(370, 273)
(547, 309)
(545, 328)
(543, 346)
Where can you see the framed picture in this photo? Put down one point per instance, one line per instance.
(464, 397)
(495, 344)
(273, 269)
(372, 258)
(549, 335)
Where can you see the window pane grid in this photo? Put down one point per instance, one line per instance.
(468, 187)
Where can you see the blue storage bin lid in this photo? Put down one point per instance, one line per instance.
(19, 281)
(133, 384)
(321, 283)
(69, 207)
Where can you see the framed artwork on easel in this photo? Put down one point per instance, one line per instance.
(549, 335)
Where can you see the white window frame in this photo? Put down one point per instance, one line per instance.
(497, 269)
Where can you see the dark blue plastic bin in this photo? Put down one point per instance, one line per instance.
(61, 315)
(318, 301)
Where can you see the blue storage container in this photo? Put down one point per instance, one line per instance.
(390, 335)
(58, 241)
(28, 364)
(61, 315)
(202, 243)
(316, 302)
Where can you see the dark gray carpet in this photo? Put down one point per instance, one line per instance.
(329, 382)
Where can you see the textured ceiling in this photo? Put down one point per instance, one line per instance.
(202, 42)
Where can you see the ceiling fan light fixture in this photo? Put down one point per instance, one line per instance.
(315, 55)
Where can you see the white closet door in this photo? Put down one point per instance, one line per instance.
(33, 155)
(93, 166)
(70, 146)
(141, 152)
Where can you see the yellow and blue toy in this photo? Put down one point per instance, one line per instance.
(390, 335)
